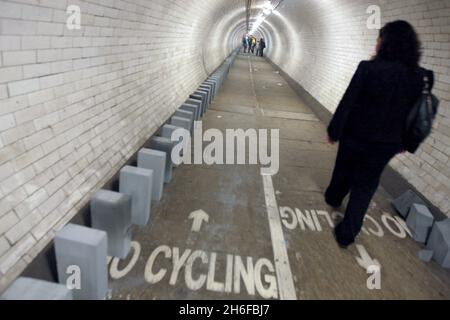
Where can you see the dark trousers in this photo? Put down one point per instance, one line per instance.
(261, 52)
(358, 170)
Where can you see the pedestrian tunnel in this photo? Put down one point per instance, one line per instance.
(91, 93)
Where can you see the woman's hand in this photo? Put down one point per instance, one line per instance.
(331, 141)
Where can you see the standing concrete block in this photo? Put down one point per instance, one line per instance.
(192, 108)
(199, 99)
(181, 122)
(204, 98)
(156, 161)
(404, 203)
(27, 289)
(420, 220)
(217, 80)
(439, 243)
(186, 115)
(86, 249)
(111, 212)
(208, 90)
(137, 183)
(205, 95)
(165, 145)
(198, 103)
(167, 131)
(213, 86)
(208, 86)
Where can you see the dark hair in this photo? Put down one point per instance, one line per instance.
(400, 42)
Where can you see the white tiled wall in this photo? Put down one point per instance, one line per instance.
(75, 105)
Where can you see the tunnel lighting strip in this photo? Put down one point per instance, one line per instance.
(268, 8)
(249, 10)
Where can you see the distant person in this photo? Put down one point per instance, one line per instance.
(253, 44)
(257, 49)
(262, 46)
(245, 43)
(370, 123)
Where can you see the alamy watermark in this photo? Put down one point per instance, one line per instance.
(74, 20)
(374, 280)
(374, 20)
(73, 281)
(235, 147)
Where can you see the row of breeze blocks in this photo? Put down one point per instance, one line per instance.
(421, 222)
(82, 252)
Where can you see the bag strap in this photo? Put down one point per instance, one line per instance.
(428, 78)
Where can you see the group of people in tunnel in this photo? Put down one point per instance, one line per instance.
(252, 45)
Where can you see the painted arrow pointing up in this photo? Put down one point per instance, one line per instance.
(365, 261)
(199, 217)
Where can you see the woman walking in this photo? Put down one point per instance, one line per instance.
(370, 123)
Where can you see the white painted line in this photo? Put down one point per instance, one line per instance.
(252, 81)
(282, 266)
(291, 115)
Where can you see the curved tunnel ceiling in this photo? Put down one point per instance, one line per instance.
(152, 54)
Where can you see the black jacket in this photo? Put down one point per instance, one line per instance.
(262, 44)
(376, 104)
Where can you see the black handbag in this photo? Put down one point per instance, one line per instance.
(419, 124)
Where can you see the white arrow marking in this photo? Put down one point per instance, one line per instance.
(199, 217)
(365, 261)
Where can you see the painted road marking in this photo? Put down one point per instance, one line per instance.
(252, 81)
(291, 115)
(310, 220)
(256, 275)
(364, 260)
(199, 217)
(282, 266)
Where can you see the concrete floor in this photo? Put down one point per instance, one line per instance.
(255, 96)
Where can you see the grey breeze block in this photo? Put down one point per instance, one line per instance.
(164, 145)
(207, 89)
(189, 115)
(439, 243)
(205, 95)
(111, 212)
(33, 289)
(202, 97)
(420, 220)
(137, 183)
(87, 249)
(192, 108)
(213, 86)
(167, 132)
(198, 104)
(404, 203)
(181, 122)
(156, 161)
